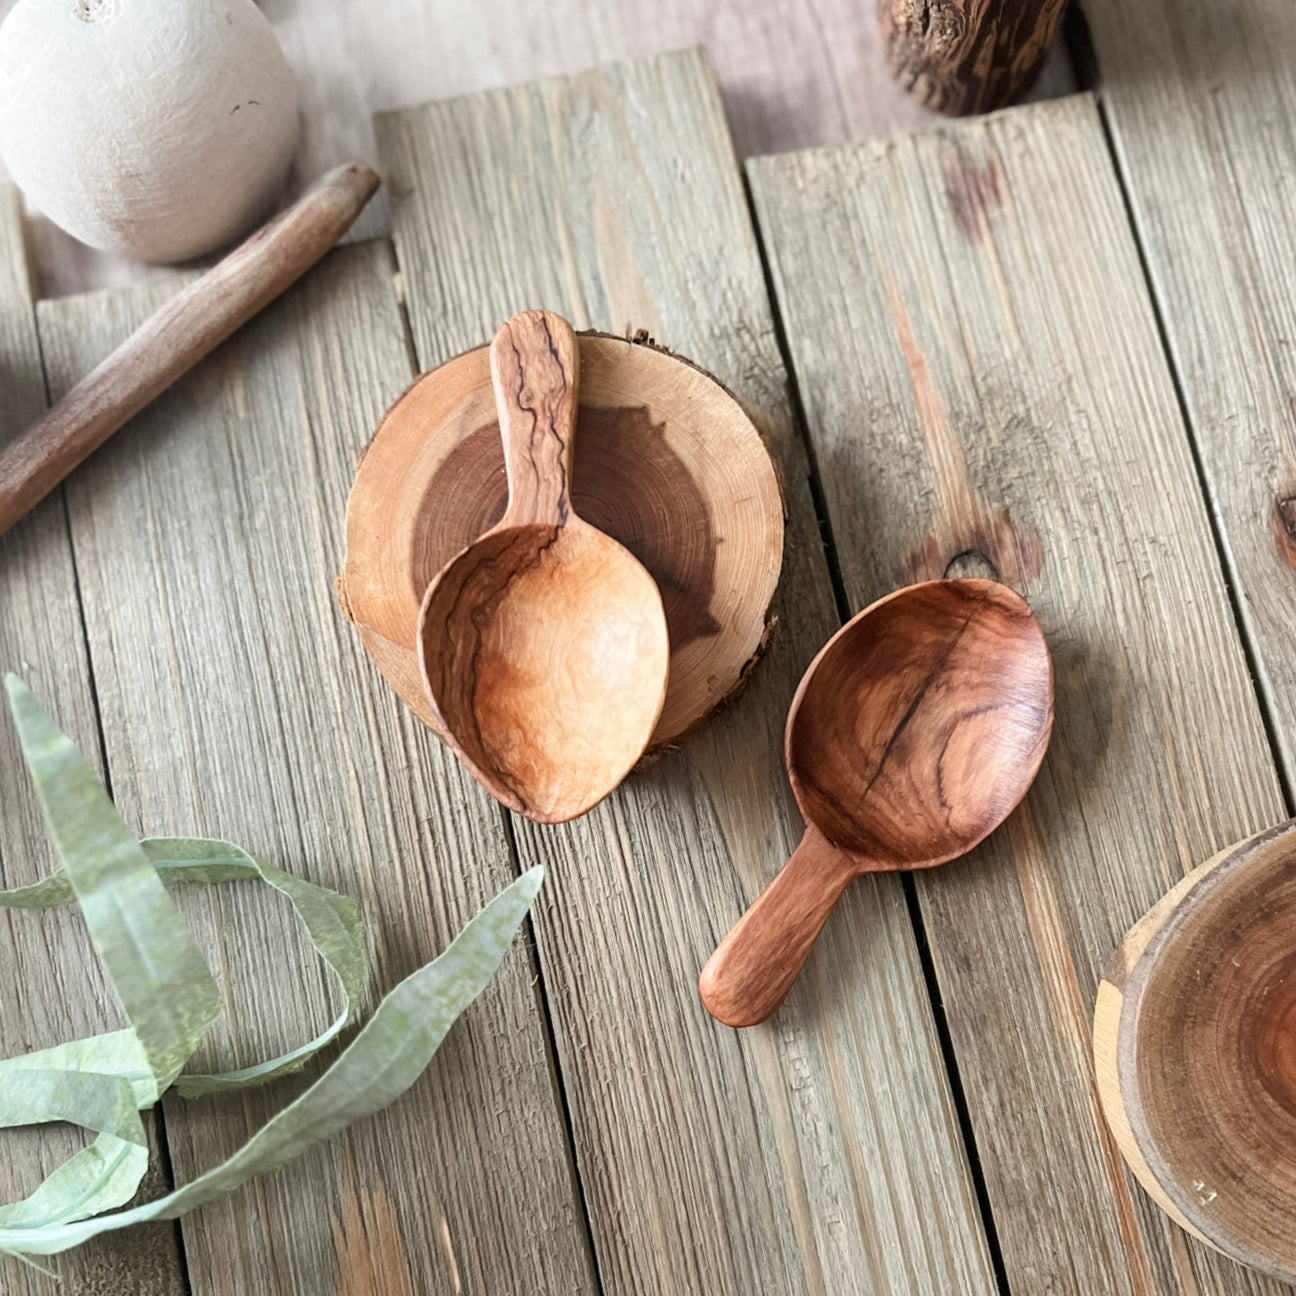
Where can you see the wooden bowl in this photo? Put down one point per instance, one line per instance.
(669, 464)
(1195, 1050)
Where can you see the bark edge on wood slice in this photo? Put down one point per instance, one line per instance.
(968, 56)
(1195, 1051)
(670, 464)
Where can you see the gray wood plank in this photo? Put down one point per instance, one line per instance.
(1201, 101)
(236, 702)
(793, 75)
(985, 390)
(818, 1154)
(55, 989)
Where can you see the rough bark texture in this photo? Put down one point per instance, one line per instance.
(968, 56)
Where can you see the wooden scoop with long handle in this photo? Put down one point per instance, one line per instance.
(913, 734)
(543, 645)
(190, 326)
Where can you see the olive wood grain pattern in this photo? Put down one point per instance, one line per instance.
(986, 390)
(1195, 1051)
(189, 326)
(915, 732)
(543, 645)
(55, 989)
(670, 464)
(711, 1160)
(968, 56)
(1200, 100)
(236, 702)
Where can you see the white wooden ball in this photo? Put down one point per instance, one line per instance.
(157, 129)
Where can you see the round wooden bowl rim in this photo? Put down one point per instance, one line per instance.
(1214, 875)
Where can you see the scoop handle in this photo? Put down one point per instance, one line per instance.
(190, 326)
(754, 967)
(535, 366)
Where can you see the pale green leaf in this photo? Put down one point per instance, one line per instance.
(386, 1057)
(158, 972)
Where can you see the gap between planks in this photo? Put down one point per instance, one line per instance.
(208, 537)
(1200, 106)
(712, 1161)
(56, 980)
(954, 283)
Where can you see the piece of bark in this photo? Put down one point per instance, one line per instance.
(968, 56)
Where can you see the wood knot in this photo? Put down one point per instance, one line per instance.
(987, 545)
(971, 565)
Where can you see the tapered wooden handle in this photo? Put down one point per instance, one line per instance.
(535, 365)
(754, 967)
(187, 328)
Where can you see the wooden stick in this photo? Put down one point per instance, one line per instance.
(186, 329)
(968, 56)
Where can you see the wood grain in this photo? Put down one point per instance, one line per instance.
(1201, 102)
(985, 388)
(236, 702)
(705, 514)
(1193, 1051)
(786, 1159)
(968, 56)
(913, 734)
(543, 645)
(55, 988)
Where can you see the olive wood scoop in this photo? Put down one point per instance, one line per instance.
(913, 734)
(190, 326)
(543, 645)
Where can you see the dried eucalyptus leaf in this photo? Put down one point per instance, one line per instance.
(332, 922)
(391, 1051)
(171, 1000)
(158, 972)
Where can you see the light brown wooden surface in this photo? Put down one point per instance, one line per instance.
(670, 465)
(54, 988)
(793, 74)
(1201, 101)
(911, 737)
(236, 701)
(985, 387)
(820, 1155)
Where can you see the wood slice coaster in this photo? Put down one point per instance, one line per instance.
(1195, 1051)
(667, 462)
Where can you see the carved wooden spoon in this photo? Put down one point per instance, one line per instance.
(543, 645)
(914, 733)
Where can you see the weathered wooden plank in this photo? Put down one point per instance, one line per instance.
(236, 702)
(793, 75)
(1201, 101)
(820, 1154)
(984, 385)
(55, 989)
